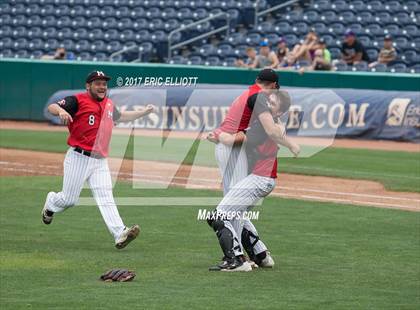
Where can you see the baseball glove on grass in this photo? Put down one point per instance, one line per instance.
(118, 275)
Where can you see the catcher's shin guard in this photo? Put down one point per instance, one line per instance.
(249, 240)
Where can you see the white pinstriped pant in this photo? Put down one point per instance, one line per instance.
(242, 197)
(233, 166)
(79, 168)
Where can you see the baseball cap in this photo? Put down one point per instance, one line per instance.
(97, 75)
(264, 43)
(321, 41)
(388, 37)
(268, 75)
(281, 40)
(349, 33)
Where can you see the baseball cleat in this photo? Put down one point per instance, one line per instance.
(253, 264)
(47, 215)
(128, 235)
(267, 262)
(238, 266)
(223, 264)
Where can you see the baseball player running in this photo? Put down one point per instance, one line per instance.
(228, 219)
(90, 117)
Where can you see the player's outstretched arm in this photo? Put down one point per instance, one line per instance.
(127, 116)
(56, 110)
(231, 139)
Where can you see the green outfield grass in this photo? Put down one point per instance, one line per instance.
(328, 256)
(398, 171)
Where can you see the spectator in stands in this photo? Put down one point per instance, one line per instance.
(305, 50)
(282, 50)
(387, 53)
(60, 54)
(322, 59)
(252, 55)
(266, 58)
(352, 51)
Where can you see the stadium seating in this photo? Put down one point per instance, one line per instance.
(31, 28)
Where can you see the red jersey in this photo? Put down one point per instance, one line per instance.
(92, 124)
(261, 151)
(266, 163)
(240, 112)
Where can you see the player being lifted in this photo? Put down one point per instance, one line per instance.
(90, 117)
(261, 151)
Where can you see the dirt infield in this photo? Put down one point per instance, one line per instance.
(327, 189)
(342, 143)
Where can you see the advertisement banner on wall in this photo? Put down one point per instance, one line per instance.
(317, 112)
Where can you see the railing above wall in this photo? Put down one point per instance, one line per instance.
(202, 36)
(258, 13)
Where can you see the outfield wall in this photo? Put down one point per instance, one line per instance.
(26, 85)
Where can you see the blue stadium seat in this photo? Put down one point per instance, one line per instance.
(177, 60)
(293, 16)
(328, 16)
(207, 50)
(240, 51)
(122, 12)
(374, 29)
(113, 46)
(18, 8)
(138, 12)
(282, 27)
(100, 57)
(337, 29)
(401, 42)
(372, 53)
(7, 53)
(365, 17)
(291, 39)
(21, 54)
(125, 23)
(81, 46)
(47, 10)
(93, 23)
(92, 11)
(402, 18)
(67, 44)
(365, 40)
(361, 66)
(412, 6)
(399, 67)
(98, 47)
(109, 22)
(51, 45)
(63, 21)
(311, 16)
(415, 68)
(229, 62)
(5, 8)
(357, 28)
(272, 39)
(411, 30)
(140, 24)
(212, 61)
(379, 68)
(357, 6)
(6, 43)
(36, 54)
(411, 56)
(127, 35)
(195, 60)
(321, 28)
(339, 6)
(49, 33)
(6, 19)
(392, 29)
(96, 34)
(111, 35)
(35, 44)
(168, 13)
(322, 5)
(19, 32)
(84, 56)
(65, 33)
(393, 6)
(225, 50)
(199, 14)
(253, 39)
(383, 18)
(347, 17)
(341, 66)
(80, 34)
(375, 6)
(300, 29)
